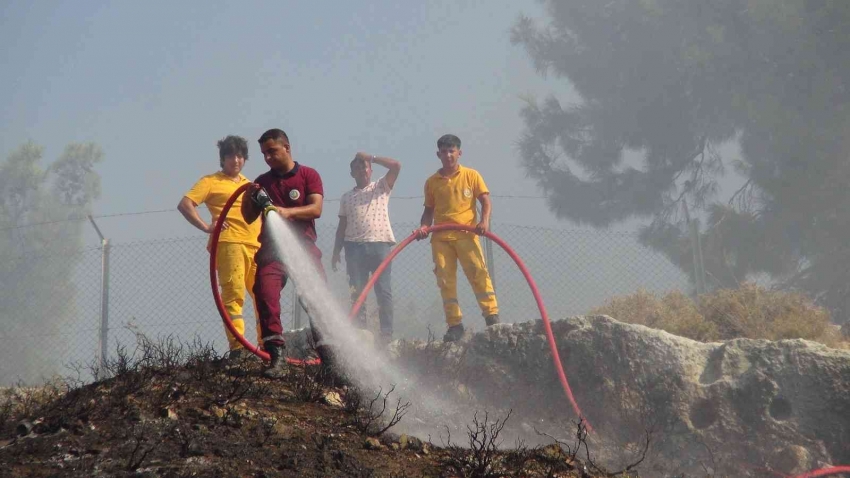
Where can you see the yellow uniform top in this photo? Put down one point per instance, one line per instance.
(214, 190)
(453, 199)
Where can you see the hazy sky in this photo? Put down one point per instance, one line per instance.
(157, 83)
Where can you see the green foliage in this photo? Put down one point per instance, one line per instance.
(664, 84)
(37, 242)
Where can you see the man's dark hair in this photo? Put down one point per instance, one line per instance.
(448, 140)
(275, 134)
(355, 162)
(232, 145)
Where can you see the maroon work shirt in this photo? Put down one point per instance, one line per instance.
(291, 190)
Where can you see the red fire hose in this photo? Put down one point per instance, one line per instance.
(833, 470)
(543, 315)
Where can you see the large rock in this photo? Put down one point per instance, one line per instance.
(739, 407)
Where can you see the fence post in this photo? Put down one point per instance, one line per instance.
(103, 342)
(700, 264)
(488, 255)
(296, 309)
(696, 252)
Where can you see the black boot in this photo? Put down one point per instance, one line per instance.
(491, 319)
(277, 367)
(454, 333)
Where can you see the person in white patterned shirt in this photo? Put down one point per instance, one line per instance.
(364, 231)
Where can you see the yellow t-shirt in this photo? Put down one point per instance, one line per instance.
(453, 199)
(214, 190)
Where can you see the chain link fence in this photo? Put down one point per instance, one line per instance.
(160, 288)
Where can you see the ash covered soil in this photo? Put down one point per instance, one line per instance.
(175, 411)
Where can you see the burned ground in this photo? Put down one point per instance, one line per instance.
(169, 409)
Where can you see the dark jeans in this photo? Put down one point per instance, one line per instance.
(361, 260)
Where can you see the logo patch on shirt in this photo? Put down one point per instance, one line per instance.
(467, 193)
(294, 194)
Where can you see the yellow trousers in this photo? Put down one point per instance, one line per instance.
(467, 250)
(236, 272)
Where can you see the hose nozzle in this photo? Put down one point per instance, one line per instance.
(261, 199)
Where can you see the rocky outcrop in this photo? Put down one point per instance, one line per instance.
(739, 407)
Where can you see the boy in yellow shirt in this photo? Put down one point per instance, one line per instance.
(238, 242)
(450, 196)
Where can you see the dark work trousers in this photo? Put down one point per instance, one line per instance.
(361, 260)
(270, 281)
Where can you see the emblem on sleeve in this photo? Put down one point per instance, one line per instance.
(294, 194)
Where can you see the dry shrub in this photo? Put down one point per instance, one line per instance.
(750, 311)
(754, 312)
(674, 313)
(24, 401)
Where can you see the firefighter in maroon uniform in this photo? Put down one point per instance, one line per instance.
(293, 191)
